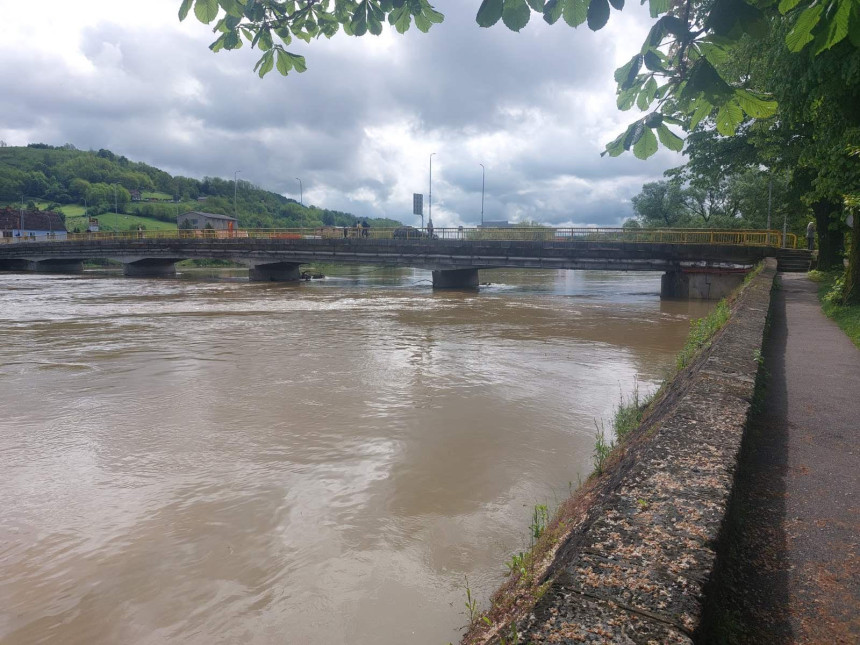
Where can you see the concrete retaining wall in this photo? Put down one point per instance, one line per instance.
(634, 566)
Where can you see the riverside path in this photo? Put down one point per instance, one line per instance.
(793, 556)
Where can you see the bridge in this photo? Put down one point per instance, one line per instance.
(697, 263)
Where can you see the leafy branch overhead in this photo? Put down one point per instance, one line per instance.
(678, 77)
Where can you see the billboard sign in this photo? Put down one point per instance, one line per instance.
(417, 204)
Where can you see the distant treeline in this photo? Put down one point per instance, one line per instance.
(100, 180)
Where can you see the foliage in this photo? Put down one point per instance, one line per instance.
(77, 178)
(540, 517)
(628, 415)
(701, 332)
(602, 448)
(847, 316)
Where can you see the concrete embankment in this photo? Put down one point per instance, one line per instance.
(632, 552)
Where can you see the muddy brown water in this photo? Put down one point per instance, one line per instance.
(209, 460)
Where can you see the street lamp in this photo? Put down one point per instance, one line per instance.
(301, 200)
(430, 196)
(482, 193)
(115, 211)
(235, 185)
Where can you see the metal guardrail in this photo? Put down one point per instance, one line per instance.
(515, 234)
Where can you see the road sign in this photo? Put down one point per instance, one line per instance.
(417, 204)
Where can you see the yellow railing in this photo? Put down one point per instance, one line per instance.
(515, 234)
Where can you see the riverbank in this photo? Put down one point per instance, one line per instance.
(628, 555)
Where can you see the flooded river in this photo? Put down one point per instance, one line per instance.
(207, 460)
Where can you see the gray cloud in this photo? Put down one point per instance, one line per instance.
(535, 107)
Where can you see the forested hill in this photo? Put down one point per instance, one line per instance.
(68, 180)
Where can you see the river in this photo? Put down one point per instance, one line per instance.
(206, 460)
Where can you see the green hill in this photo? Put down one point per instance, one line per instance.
(69, 180)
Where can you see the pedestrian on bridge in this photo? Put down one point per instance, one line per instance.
(810, 236)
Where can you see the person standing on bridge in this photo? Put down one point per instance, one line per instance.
(810, 236)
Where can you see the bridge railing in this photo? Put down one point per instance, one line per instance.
(523, 234)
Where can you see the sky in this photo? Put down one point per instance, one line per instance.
(358, 128)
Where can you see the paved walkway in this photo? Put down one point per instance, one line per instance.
(793, 567)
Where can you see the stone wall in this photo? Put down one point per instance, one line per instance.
(634, 563)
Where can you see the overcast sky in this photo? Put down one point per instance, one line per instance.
(536, 108)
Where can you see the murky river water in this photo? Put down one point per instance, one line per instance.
(200, 461)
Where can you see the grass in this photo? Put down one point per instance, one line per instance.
(846, 316)
(126, 223)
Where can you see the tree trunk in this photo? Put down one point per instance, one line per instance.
(829, 241)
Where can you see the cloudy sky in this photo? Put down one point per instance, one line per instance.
(536, 108)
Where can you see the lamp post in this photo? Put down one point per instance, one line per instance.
(235, 186)
(482, 193)
(430, 191)
(21, 225)
(301, 200)
(115, 211)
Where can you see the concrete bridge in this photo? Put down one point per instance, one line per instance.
(695, 263)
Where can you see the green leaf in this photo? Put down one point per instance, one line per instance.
(729, 117)
(801, 33)
(358, 24)
(647, 144)
(702, 110)
(653, 120)
(656, 7)
(284, 63)
(298, 62)
(265, 64)
(516, 14)
(185, 8)
(232, 7)
(552, 11)
(537, 5)
(854, 26)
(626, 74)
(647, 94)
(575, 12)
(837, 28)
(670, 139)
(634, 134)
(598, 14)
(618, 4)
(626, 98)
(206, 10)
(265, 39)
(401, 19)
(755, 106)
(489, 13)
(614, 147)
(652, 61)
(787, 5)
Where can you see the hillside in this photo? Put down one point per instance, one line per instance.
(69, 180)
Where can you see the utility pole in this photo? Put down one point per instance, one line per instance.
(482, 193)
(235, 185)
(301, 200)
(769, 202)
(115, 211)
(430, 195)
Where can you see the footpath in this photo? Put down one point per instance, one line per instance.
(791, 567)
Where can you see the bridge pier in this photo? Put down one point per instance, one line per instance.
(455, 279)
(700, 284)
(150, 268)
(274, 272)
(55, 266)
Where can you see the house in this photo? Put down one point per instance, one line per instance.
(199, 220)
(135, 195)
(15, 223)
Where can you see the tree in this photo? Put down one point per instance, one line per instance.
(661, 204)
